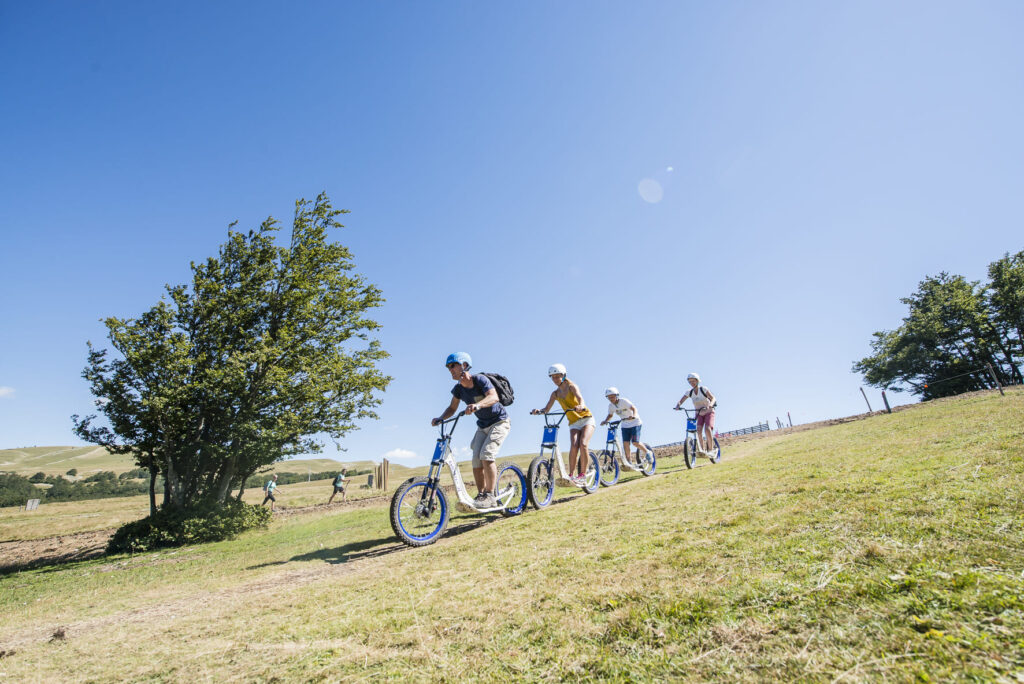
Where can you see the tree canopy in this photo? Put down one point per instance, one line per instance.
(953, 331)
(267, 349)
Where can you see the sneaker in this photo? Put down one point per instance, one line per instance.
(485, 500)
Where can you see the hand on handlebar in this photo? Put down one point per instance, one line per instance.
(471, 409)
(435, 421)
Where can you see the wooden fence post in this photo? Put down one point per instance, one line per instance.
(866, 399)
(886, 402)
(995, 379)
(789, 418)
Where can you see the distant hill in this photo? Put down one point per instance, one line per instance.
(57, 460)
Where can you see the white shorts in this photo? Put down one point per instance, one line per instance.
(582, 423)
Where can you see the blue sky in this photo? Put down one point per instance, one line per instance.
(824, 158)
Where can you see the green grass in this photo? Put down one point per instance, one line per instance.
(890, 548)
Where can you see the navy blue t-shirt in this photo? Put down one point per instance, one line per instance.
(485, 417)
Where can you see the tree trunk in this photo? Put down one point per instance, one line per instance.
(152, 491)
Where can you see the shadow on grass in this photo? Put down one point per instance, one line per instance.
(370, 548)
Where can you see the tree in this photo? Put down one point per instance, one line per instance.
(267, 348)
(1006, 296)
(949, 338)
(73, 472)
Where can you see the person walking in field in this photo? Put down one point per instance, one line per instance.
(492, 423)
(704, 401)
(339, 486)
(581, 421)
(630, 422)
(270, 488)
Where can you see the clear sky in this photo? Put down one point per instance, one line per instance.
(634, 189)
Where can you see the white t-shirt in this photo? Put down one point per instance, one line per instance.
(623, 410)
(697, 396)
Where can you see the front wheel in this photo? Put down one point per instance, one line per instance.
(419, 512)
(716, 453)
(609, 468)
(539, 483)
(512, 489)
(592, 479)
(690, 451)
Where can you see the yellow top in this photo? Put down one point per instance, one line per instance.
(569, 403)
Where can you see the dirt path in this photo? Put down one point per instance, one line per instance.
(32, 553)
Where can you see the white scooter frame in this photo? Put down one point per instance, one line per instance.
(538, 477)
(419, 507)
(620, 453)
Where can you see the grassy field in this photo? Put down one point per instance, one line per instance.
(889, 548)
(71, 517)
(57, 460)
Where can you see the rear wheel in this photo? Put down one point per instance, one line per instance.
(690, 451)
(539, 483)
(592, 479)
(512, 489)
(419, 512)
(649, 463)
(609, 468)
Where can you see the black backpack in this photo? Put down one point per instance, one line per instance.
(703, 391)
(504, 388)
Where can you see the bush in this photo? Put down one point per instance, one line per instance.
(177, 528)
(102, 476)
(15, 490)
(73, 472)
(38, 477)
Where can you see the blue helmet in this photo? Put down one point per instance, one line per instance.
(459, 357)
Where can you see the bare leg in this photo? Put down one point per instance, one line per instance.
(490, 476)
(584, 448)
(332, 497)
(478, 479)
(625, 451)
(574, 446)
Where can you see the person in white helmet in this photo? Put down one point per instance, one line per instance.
(704, 401)
(630, 421)
(581, 421)
(492, 423)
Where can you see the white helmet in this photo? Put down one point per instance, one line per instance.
(693, 376)
(556, 369)
(610, 391)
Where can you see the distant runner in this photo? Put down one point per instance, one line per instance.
(492, 423)
(339, 485)
(270, 488)
(631, 423)
(704, 401)
(581, 421)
